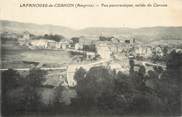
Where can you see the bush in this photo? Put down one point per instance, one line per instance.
(19, 94)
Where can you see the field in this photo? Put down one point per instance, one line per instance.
(13, 55)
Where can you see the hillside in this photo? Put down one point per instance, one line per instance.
(18, 27)
(147, 34)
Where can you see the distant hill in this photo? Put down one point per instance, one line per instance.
(147, 34)
(142, 34)
(34, 28)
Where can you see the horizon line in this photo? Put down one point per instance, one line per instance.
(72, 28)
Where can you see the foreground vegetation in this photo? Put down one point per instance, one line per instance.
(100, 91)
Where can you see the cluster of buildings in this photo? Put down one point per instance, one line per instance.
(105, 47)
(49, 44)
(42, 43)
(148, 51)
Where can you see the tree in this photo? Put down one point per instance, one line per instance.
(103, 38)
(80, 75)
(10, 81)
(35, 77)
(98, 82)
(165, 51)
(174, 62)
(75, 40)
(20, 95)
(170, 85)
(30, 96)
(55, 37)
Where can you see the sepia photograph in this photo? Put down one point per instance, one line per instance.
(94, 59)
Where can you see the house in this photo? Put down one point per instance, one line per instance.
(144, 51)
(85, 43)
(65, 43)
(115, 40)
(26, 35)
(158, 51)
(52, 44)
(40, 43)
(103, 50)
(139, 50)
(114, 47)
(90, 55)
(149, 52)
(87, 40)
(78, 46)
(57, 45)
(24, 40)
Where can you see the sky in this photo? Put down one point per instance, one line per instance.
(79, 18)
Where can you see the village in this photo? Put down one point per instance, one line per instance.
(103, 46)
(62, 72)
(87, 52)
